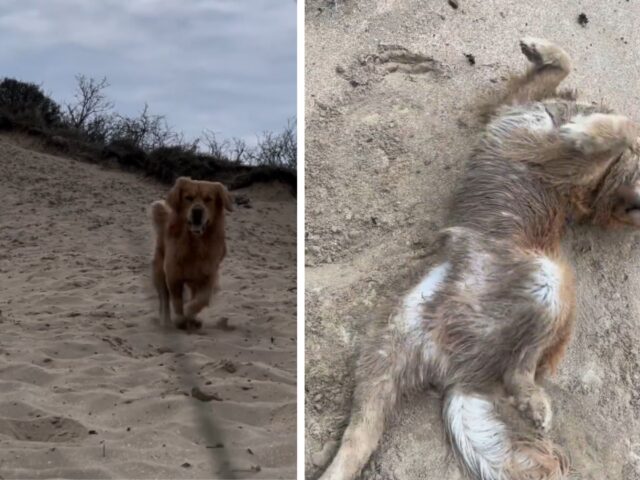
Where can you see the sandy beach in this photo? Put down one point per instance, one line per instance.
(390, 91)
(92, 385)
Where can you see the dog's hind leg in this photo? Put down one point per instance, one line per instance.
(374, 398)
(387, 366)
(393, 359)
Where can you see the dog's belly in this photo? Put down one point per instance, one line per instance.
(533, 117)
(547, 285)
(411, 311)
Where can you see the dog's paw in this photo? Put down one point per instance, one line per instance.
(599, 132)
(195, 324)
(542, 52)
(188, 323)
(181, 322)
(536, 407)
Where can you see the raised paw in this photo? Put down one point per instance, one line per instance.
(187, 323)
(536, 408)
(542, 53)
(195, 324)
(181, 322)
(599, 133)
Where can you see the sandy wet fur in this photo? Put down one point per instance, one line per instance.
(509, 321)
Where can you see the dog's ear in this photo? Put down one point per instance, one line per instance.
(223, 194)
(174, 197)
(226, 198)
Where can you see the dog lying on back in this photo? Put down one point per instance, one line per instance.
(190, 245)
(497, 309)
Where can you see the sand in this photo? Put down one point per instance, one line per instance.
(92, 386)
(389, 91)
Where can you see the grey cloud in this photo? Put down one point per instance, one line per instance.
(223, 65)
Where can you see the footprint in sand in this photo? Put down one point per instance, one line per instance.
(49, 429)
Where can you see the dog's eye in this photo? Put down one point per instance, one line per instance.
(189, 198)
(207, 199)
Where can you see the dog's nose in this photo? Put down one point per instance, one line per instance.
(196, 215)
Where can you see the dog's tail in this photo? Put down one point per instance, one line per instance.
(486, 449)
(159, 215)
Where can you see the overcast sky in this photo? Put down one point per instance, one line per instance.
(223, 65)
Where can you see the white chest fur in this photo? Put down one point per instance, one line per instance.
(411, 310)
(546, 284)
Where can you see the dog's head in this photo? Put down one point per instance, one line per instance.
(198, 203)
(614, 196)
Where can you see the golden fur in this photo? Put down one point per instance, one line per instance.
(190, 245)
(497, 312)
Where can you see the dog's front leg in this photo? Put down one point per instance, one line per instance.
(160, 282)
(176, 291)
(201, 299)
(165, 308)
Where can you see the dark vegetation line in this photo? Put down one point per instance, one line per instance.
(88, 129)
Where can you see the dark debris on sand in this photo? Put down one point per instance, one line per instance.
(204, 397)
(583, 20)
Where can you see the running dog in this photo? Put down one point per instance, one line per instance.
(190, 245)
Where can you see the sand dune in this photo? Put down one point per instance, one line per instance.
(92, 386)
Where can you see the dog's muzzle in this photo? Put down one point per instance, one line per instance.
(197, 220)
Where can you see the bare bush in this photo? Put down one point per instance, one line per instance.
(99, 129)
(89, 128)
(91, 107)
(277, 150)
(235, 150)
(272, 149)
(145, 131)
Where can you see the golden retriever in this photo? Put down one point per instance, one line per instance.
(190, 245)
(496, 311)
